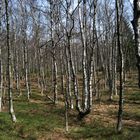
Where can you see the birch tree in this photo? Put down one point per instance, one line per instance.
(25, 47)
(136, 27)
(9, 76)
(1, 67)
(119, 10)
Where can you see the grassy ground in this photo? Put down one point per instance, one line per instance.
(39, 119)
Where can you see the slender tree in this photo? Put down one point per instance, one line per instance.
(9, 76)
(1, 67)
(119, 6)
(25, 47)
(136, 27)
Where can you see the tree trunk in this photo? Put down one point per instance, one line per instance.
(9, 76)
(26, 70)
(1, 65)
(55, 78)
(70, 103)
(16, 65)
(136, 26)
(121, 66)
(66, 110)
(25, 51)
(92, 61)
(83, 31)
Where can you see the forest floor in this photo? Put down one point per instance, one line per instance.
(40, 119)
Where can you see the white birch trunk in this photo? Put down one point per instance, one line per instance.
(69, 80)
(92, 61)
(84, 59)
(9, 74)
(25, 49)
(55, 78)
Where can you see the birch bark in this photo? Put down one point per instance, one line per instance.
(9, 76)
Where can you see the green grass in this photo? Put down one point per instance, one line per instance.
(34, 120)
(44, 120)
(96, 131)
